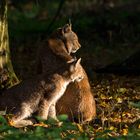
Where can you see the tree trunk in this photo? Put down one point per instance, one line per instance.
(7, 75)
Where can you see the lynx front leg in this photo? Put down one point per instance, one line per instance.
(52, 111)
(19, 119)
(44, 109)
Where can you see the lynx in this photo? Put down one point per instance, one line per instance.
(39, 94)
(78, 101)
(62, 43)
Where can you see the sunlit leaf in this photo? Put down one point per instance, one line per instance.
(102, 96)
(111, 128)
(41, 124)
(124, 131)
(119, 100)
(80, 128)
(122, 90)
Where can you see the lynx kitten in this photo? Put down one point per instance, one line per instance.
(39, 94)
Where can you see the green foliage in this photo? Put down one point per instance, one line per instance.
(135, 104)
(67, 130)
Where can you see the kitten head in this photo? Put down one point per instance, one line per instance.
(76, 71)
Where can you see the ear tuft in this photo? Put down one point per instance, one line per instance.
(70, 24)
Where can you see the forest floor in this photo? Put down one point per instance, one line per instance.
(118, 115)
(115, 98)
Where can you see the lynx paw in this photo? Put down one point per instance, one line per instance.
(59, 123)
(21, 123)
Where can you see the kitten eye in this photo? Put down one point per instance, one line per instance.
(79, 78)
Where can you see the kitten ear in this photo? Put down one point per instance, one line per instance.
(78, 63)
(75, 65)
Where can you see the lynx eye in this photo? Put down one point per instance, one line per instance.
(80, 78)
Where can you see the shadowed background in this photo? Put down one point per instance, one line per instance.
(108, 30)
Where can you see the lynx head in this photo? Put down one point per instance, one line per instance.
(76, 71)
(69, 38)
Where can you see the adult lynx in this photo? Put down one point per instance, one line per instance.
(78, 101)
(57, 49)
(39, 94)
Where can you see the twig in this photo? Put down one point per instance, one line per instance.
(56, 15)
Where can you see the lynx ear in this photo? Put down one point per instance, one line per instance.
(67, 28)
(60, 31)
(78, 63)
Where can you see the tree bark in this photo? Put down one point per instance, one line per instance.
(7, 75)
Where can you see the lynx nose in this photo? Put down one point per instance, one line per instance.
(74, 50)
(79, 45)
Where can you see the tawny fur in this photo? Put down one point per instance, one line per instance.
(78, 101)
